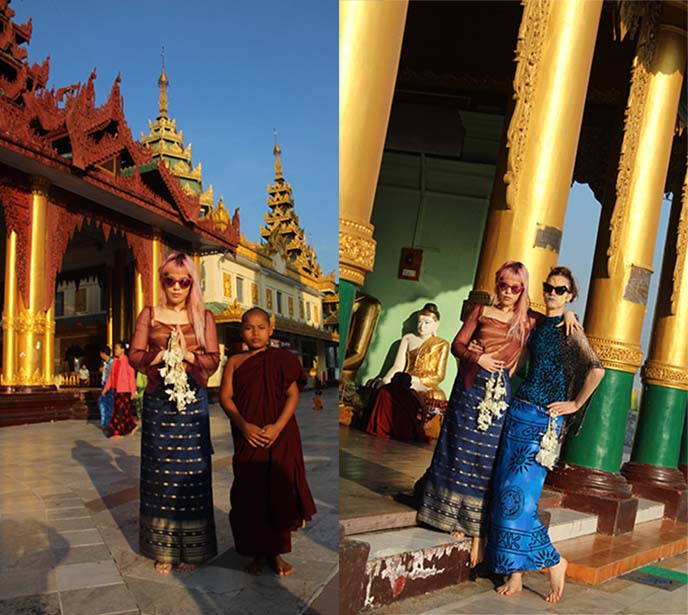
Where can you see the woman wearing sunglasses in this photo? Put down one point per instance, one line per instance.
(176, 525)
(563, 373)
(453, 492)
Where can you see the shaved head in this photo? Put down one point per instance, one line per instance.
(255, 310)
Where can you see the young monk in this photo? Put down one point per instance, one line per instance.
(270, 497)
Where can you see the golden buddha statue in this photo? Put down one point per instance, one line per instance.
(364, 314)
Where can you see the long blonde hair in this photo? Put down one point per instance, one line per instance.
(194, 302)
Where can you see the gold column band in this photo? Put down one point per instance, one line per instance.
(356, 250)
(622, 356)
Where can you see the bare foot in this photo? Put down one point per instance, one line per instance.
(512, 586)
(133, 431)
(477, 551)
(457, 534)
(255, 566)
(281, 567)
(163, 568)
(557, 577)
(115, 437)
(186, 567)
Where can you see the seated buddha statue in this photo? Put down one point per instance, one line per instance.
(423, 355)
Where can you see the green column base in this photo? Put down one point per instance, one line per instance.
(600, 440)
(683, 451)
(660, 425)
(347, 292)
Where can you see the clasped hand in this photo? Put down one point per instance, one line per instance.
(263, 437)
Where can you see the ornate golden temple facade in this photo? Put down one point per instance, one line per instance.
(280, 273)
(592, 92)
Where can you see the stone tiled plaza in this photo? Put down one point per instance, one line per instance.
(69, 527)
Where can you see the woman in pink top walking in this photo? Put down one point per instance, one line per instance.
(122, 381)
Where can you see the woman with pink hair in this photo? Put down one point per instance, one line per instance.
(175, 345)
(454, 491)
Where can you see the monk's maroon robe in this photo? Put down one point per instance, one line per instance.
(270, 497)
(395, 415)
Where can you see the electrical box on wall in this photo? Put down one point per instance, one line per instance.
(409, 265)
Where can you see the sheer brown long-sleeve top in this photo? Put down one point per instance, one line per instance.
(151, 336)
(493, 335)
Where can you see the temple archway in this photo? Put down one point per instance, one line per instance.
(94, 299)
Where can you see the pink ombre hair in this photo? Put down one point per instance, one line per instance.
(519, 322)
(179, 262)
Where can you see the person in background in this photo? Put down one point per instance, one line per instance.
(84, 375)
(317, 400)
(122, 381)
(106, 399)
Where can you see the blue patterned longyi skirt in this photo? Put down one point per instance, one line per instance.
(518, 541)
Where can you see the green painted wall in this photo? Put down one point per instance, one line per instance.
(439, 206)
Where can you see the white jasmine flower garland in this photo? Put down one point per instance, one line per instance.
(547, 454)
(174, 373)
(494, 404)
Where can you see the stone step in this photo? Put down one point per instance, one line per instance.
(565, 524)
(408, 562)
(596, 558)
(648, 510)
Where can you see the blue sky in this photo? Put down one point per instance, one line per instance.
(237, 70)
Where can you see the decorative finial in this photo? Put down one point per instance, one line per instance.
(163, 84)
(278, 163)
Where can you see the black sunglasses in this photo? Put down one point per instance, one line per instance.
(560, 290)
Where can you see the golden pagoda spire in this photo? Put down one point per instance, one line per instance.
(282, 231)
(278, 163)
(163, 84)
(166, 143)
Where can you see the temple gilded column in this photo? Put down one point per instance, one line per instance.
(653, 468)
(591, 456)
(110, 326)
(31, 325)
(556, 42)
(156, 261)
(139, 300)
(370, 37)
(9, 317)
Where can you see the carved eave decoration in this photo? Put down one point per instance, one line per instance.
(66, 133)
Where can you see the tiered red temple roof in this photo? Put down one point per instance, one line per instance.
(87, 152)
